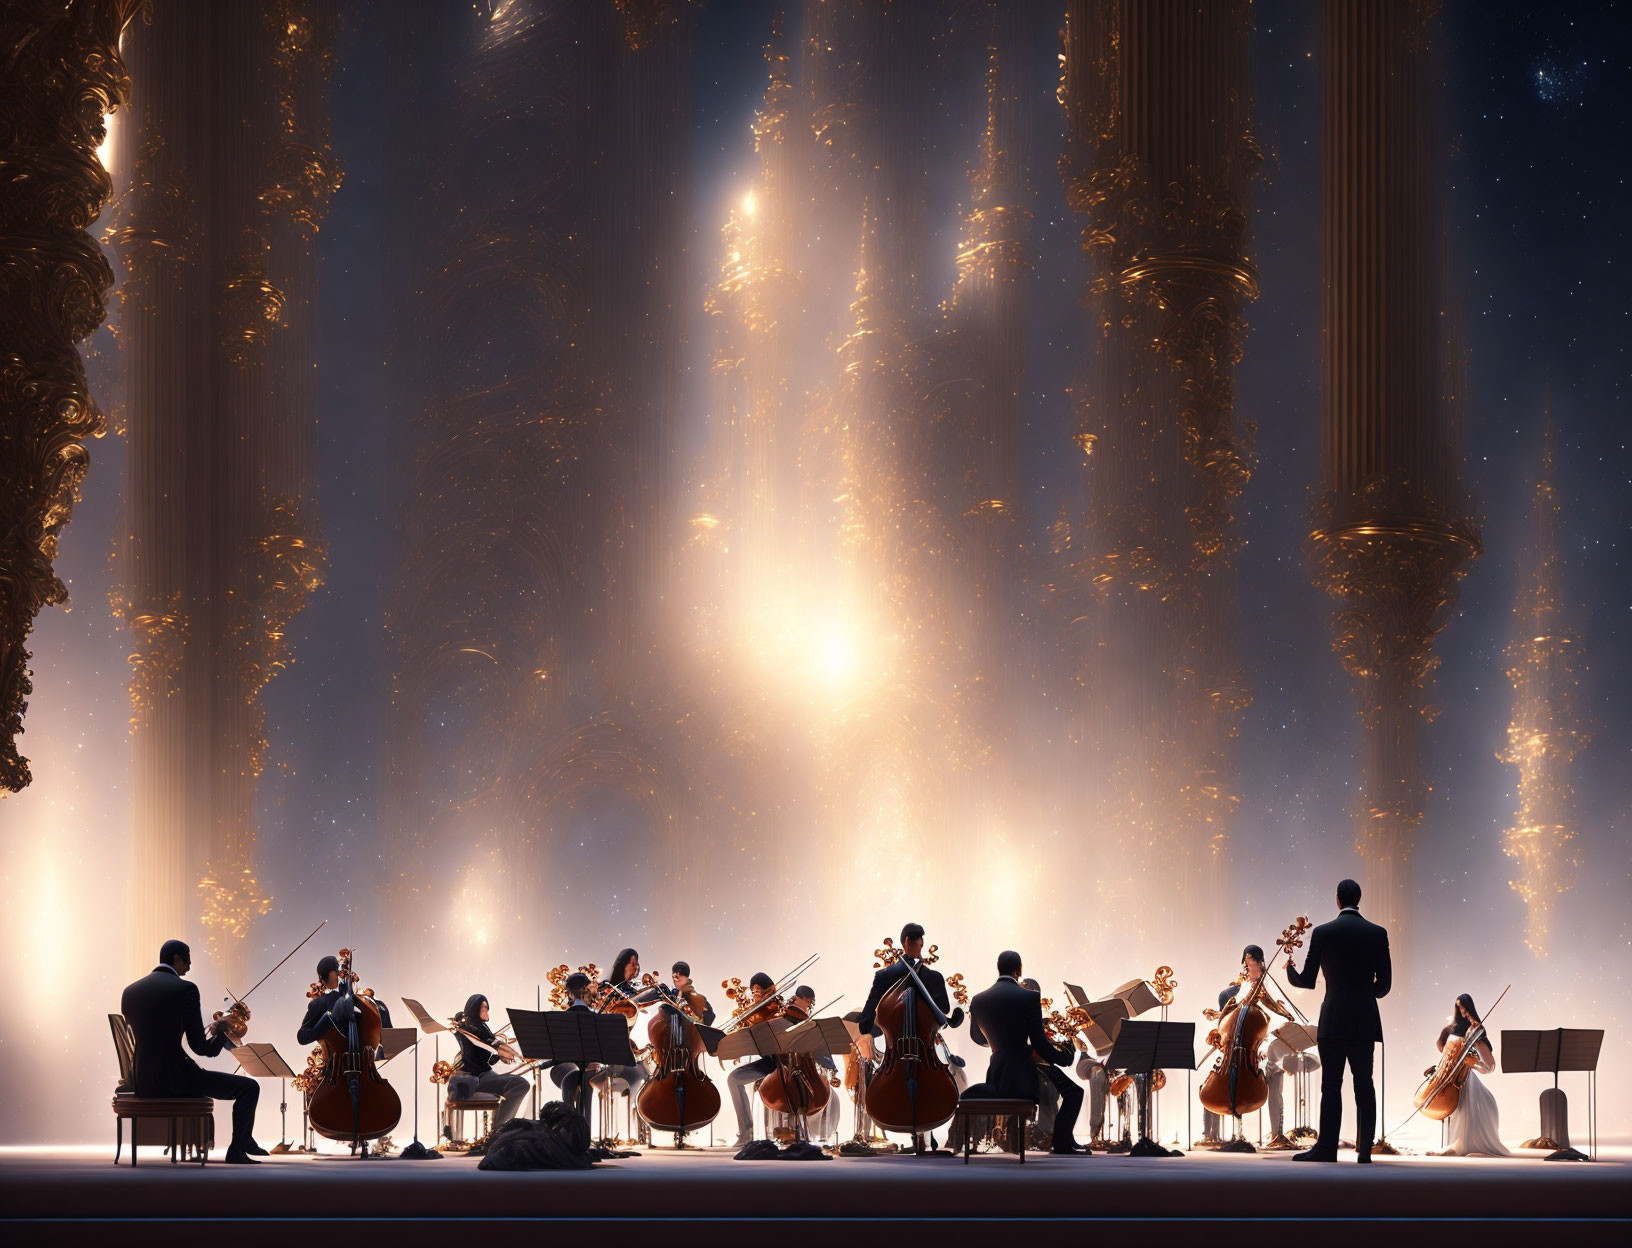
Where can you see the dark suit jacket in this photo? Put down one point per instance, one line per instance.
(161, 1008)
(1009, 1017)
(1352, 952)
(886, 976)
(317, 1019)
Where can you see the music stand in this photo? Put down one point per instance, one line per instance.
(1141, 1049)
(1138, 995)
(779, 1039)
(393, 1041)
(263, 1061)
(430, 1027)
(1562, 1048)
(1105, 1022)
(581, 1037)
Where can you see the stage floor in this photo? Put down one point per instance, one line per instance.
(703, 1194)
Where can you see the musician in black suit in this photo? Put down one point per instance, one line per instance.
(1009, 1017)
(330, 1009)
(161, 1008)
(912, 950)
(1352, 953)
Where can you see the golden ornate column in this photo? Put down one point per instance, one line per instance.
(1158, 156)
(230, 177)
(61, 73)
(1546, 733)
(1391, 537)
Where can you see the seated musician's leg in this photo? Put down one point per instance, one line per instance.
(1065, 1119)
(740, 1083)
(244, 1093)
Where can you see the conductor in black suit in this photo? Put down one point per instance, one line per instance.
(1352, 952)
(161, 1008)
(912, 950)
(1009, 1017)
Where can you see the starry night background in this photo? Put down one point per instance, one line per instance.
(1536, 103)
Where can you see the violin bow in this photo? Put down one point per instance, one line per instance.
(776, 988)
(1474, 1035)
(814, 1014)
(281, 961)
(943, 1019)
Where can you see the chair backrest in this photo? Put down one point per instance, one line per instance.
(124, 1044)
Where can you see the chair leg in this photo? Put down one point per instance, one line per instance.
(1019, 1129)
(118, 1137)
(172, 1141)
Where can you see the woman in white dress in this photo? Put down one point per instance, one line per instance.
(1472, 1127)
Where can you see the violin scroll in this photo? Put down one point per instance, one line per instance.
(1163, 984)
(233, 1022)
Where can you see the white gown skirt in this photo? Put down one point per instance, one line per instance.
(1472, 1129)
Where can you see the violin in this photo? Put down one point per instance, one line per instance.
(233, 1022)
(796, 1085)
(679, 1096)
(913, 1090)
(1236, 1084)
(620, 999)
(354, 1102)
(767, 1004)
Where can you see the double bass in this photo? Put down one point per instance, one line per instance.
(1236, 1084)
(913, 1089)
(679, 1096)
(354, 1102)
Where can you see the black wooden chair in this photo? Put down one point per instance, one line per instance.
(185, 1125)
(971, 1109)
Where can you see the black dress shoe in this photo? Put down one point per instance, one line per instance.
(1363, 1159)
(237, 1157)
(1072, 1150)
(1314, 1154)
(254, 1149)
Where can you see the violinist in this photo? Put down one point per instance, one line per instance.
(741, 1081)
(331, 1008)
(1472, 1127)
(912, 949)
(622, 987)
(479, 1049)
(1009, 1017)
(161, 1008)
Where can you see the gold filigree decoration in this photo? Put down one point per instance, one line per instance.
(1546, 732)
(161, 634)
(232, 896)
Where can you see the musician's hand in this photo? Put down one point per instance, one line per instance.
(957, 1016)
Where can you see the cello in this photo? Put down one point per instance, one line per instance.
(679, 1096)
(1438, 1095)
(354, 1102)
(912, 1090)
(796, 1087)
(1236, 1084)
